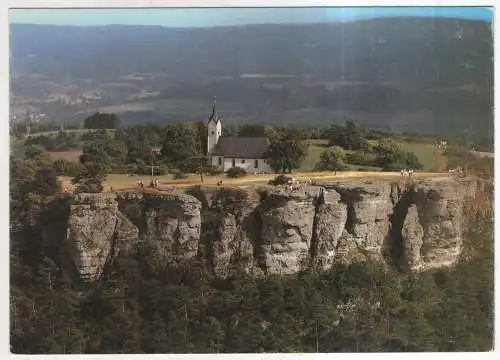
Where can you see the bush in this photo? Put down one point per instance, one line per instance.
(131, 168)
(178, 175)
(411, 160)
(236, 172)
(280, 180)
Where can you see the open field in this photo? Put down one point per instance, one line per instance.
(425, 153)
(125, 182)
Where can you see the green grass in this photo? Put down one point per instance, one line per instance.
(315, 148)
(424, 152)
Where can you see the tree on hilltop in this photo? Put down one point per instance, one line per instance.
(286, 154)
(332, 159)
(96, 163)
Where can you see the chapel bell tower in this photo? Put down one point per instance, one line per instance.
(214, 127)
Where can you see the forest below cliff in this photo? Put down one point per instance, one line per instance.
(144, 305)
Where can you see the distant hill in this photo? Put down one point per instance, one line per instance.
(442, 66)
(420, 52)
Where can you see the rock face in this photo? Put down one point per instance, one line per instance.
(415, 227)
(232, 244)
(97, 231)
(330, 221)
(369, 207)
(412, 234)
(287, 230)
(439, 205)
(173, 224)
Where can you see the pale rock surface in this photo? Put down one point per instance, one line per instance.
(287, 229)
(439, 205)
(335, 222)
(412, 234)
(96, 232)
(173, 224)
(331, 217)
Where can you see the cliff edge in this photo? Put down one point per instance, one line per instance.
(410, 225)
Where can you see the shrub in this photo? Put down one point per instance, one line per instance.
(280, 180)
(411, 160)
(236, 172)
(132, 168)
(178, 175)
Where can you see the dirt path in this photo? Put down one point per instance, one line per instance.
(124, 182)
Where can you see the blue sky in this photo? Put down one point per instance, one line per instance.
(231, 16)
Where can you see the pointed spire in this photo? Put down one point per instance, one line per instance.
(213, 115)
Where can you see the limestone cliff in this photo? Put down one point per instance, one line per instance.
(286, 230)
(412, 234)
(97, 231)
(330, 221)
(235, 239)
(412, 226)
(439, 207)
(173, 224)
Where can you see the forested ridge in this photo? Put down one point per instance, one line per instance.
(418, 74)
(146, 306)
(416, 52)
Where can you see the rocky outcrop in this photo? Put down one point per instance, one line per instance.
(97, 231)
(412, 234)
(439, 205)
(367, 228)
(173, 224)
(330, 221)
(236, 236)
(286, 230)
(412, 226)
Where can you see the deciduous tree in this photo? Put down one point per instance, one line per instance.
(332, 159)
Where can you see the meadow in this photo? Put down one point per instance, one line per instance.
(425, 153)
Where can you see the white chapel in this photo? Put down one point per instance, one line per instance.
(226, 152)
